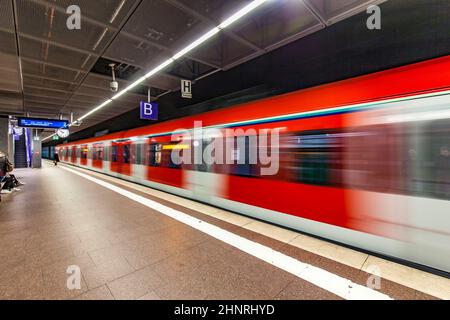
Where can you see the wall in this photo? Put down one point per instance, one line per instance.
(4, 136)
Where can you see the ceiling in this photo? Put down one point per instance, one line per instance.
(48, 70)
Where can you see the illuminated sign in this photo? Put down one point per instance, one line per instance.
(176, 147)
(149, 110)
(18, 131)
(42, 123)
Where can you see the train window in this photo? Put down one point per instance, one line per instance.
(138, 158)
(171, 152)
(373, 158)
(106, 153)
(126, 153)
(203, 160)
(313, 157)
(84, 152)
(428, 159)
(155, 154)
(200, 164)
(245, 155)
(115, 154)
(97, 153)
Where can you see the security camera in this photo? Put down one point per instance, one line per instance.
(114, 86)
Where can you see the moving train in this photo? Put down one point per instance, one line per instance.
(363, 161)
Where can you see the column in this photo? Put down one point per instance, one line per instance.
(36, 148)
(4, 135)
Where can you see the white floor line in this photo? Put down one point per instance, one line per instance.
(335, 284)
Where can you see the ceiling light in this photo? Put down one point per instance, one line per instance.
(95, 110)
(159, 68)
(49, 137)
(197, 42)
(131, 86)
(250, 7)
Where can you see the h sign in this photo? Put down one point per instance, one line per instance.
(186, 89)
(149, 110)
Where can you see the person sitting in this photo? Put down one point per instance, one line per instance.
(2, 166)
(10, 181)
(4, 179)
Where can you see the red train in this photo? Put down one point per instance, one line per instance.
(365, 161)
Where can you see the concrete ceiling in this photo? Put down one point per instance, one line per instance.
(48, 70)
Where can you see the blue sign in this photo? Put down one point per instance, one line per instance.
(42, 123)
(149, 110)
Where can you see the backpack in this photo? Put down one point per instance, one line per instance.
(9, 166)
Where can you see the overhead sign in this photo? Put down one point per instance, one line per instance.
(42, 123)
(149, 110)
(18, 131)
(55, 137)
(186, 89)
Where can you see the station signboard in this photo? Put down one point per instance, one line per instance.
(149, 110)
(42, 123)
(186, 89)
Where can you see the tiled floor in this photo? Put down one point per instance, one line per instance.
(127, 251)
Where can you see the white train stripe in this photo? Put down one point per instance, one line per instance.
(335, 284)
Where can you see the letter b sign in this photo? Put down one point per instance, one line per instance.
(149, 110)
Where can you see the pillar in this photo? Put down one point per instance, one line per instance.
(36, 148)
(4, 135)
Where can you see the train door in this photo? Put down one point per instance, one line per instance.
(161, 167)
(137, 159)
(66, 154)
(74, 155)
(97, 155)
(121, 157)
(204, 180)
(84, 155)
(427, 158)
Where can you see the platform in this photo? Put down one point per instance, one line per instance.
(133, 242)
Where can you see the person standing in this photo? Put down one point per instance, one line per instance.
(56, 158)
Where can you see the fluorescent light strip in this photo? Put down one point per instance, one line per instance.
(197, 42)
(250, 7)
(159, 68)
(241, 13)
(131, 86)
(49, 137)
(335, 284)
(95, 110)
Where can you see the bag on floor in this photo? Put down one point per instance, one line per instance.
(9, 184)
